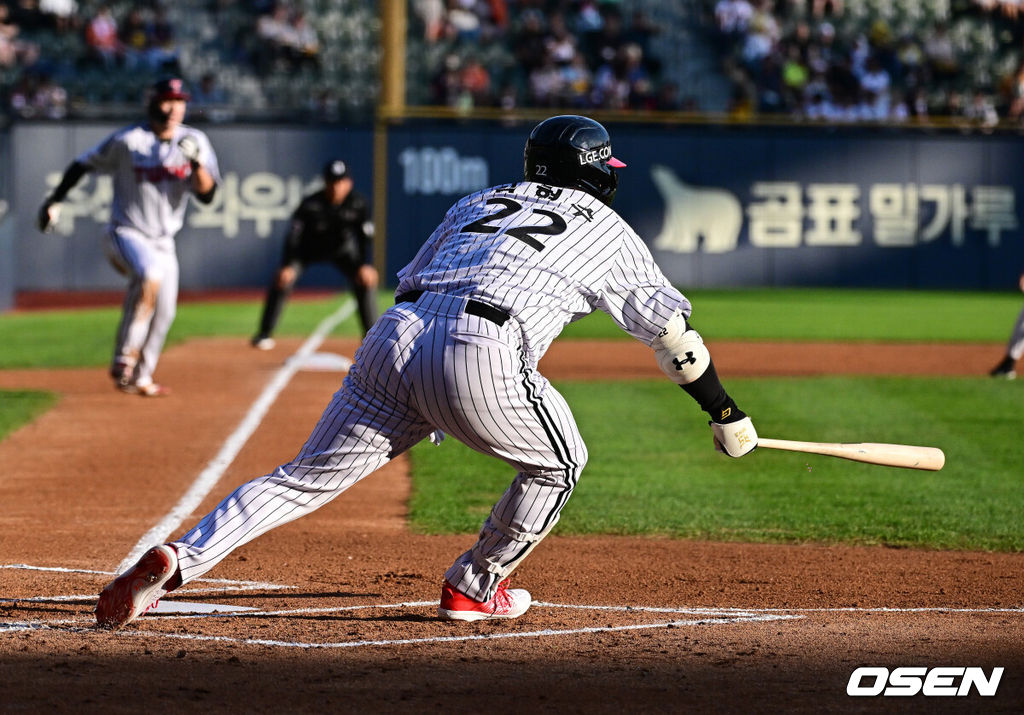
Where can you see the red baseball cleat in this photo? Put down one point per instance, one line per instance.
(153, 390)
(138, 589)
(150, 389)
(506, 603)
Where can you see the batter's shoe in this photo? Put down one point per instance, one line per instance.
(138, 589)
(147, 389)
(1005, 369)
(264, 343)
(122, 374)
(153, 390)
(506, 603)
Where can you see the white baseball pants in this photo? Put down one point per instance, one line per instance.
(423, 366)
(150, 303)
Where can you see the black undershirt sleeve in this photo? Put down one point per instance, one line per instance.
(72, 174)
(709, 393)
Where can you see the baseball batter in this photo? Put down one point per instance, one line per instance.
(475, 310)
(1007, 367)
(155, 165)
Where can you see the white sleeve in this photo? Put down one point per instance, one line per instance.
(104, 156)
(207, 156)
(637, 295)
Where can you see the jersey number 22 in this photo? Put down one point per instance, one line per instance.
(526, 234)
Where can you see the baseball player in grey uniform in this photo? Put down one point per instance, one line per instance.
(475, 310)
(1007, 367)
(155, 165)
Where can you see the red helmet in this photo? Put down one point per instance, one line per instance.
(170, 88)
(161, 91)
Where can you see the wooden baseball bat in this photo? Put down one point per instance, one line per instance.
(890, 455)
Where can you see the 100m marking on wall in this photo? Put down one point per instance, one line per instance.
(429, 170)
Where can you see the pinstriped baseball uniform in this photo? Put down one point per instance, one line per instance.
(151, 189)
(476, 309)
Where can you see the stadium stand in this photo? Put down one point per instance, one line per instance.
(580, 54)
(870, 60)
(330, 74)
(318, 60)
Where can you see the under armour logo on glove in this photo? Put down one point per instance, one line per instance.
(688, 360)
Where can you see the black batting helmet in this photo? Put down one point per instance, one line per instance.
(575, 152)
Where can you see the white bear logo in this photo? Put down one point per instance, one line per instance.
(693, 213)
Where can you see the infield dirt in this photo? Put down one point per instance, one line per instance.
(81, 485)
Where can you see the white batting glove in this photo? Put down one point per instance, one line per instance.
(437, 437)
(189, 148)
(49, 215)
(736, 438)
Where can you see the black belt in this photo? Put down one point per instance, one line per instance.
(473, 307)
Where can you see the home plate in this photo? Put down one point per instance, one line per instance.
(186, 607)
(322, 362)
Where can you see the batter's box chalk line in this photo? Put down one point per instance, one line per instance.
(704, 617)
(175, 609)
(321, 362)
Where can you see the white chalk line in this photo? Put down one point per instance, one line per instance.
(707, 616)
(844, 609)
(476, 637)
(749, 618)
(209, 477)
(695, 611)
(229, 584)
(71, 597)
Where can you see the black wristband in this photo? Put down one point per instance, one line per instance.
(207, 196)
(707, 390)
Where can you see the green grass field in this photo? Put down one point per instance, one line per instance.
(20, 406)
(82, 337)
(652, 470)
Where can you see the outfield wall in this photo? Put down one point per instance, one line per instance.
(720, 207)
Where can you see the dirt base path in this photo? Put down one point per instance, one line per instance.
(756, 628)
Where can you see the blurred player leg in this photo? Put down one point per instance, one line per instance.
(1014, 351)
(133, 256)
(162, 317)
(277, 295)
(366, 299)
(365, 293)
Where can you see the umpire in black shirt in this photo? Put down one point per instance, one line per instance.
(333, 225)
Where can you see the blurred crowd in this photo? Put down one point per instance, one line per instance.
(140, 40)
(285, 40)
(134, 41)
(829, 60)
(572, 54)
(812, 59)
